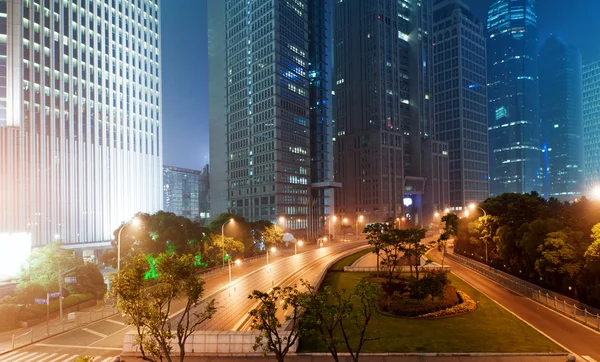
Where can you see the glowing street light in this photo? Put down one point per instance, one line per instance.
(296, 244)
(447, 210)
(273, 249)
(133, 222)
(436, 214)
(333, 219)
(359, 219)
(223, 240)
(238, 262)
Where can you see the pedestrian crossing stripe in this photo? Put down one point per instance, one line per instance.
(20, 356)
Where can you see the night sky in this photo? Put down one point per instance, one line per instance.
(185, 65)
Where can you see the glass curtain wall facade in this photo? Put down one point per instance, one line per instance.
(513, 99)
(383, 111)
(591, 125)
(275, 91)
(80, 137)
(561, 110)
(460, 96)
(181, 192)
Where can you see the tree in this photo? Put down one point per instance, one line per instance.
(46, 263)
(374, 232)
(264, 320)
(592, 254)
(442, 243)
(392, 247)
(272, 236)
(450, 225)
(147, 303)
(162, 232)
(559, 254)
(222, 247)
(324, 312)
(366, 292)
(414, 249)
(89, 279)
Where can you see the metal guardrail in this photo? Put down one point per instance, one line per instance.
(46, 330)
(580, 312)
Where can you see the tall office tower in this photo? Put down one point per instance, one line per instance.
(382, 112)
(460, 96)
(591, 125)
(561, 111)
(513, 107)
(268, 63)
(80, 117)
(181, 192)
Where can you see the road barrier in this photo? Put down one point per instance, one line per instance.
(571, 308)
(44, 330)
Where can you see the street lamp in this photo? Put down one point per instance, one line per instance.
(273, 249)
(359, 219)
(472, 206)
(223, 242)
(333, 219)
(436, 214)
(134, 222)
(296, 244)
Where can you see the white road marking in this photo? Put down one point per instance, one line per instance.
(115, 322)
(13, 354)
(47, 357)
(94, 332)
(109, 359)
(28, 357)
(589, 359)
(82, 347)
(70, 358)
(60, 358)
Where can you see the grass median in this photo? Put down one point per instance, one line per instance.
(490, 328)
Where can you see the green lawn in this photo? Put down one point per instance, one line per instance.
(488, 329)
(347, 261)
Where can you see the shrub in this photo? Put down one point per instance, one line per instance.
(412, 307)
(9, 313)
(431, 284)
(467, 305)
(28, 291)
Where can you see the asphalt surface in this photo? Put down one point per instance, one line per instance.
(573, 336)
(104, 339)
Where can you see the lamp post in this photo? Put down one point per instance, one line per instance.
(273, 249)
(135, 222)
(331, 220)
(358, 219)
(472, 206)
(223, 242)
(296, 244)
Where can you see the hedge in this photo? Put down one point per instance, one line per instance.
(412, 307)
(13, 314)
(467, 305)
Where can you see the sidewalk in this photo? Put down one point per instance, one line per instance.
(218, 277)
(24, 336)
(383, 358)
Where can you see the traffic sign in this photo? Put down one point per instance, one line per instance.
(40, 301)
(54, 295)
(70, 280)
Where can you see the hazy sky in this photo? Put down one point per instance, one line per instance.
(185, 68)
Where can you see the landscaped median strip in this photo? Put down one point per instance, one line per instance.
(467, 305)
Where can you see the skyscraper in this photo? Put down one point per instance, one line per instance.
(80, 117)
(561, 110)
(460, 96)
(513, 108)
(181, 192)
(383, 111)
(269, 122)
(591, 124)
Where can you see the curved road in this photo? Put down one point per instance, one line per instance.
(571, 335)
(104, 339)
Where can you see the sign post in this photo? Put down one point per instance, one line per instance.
(47, 314)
